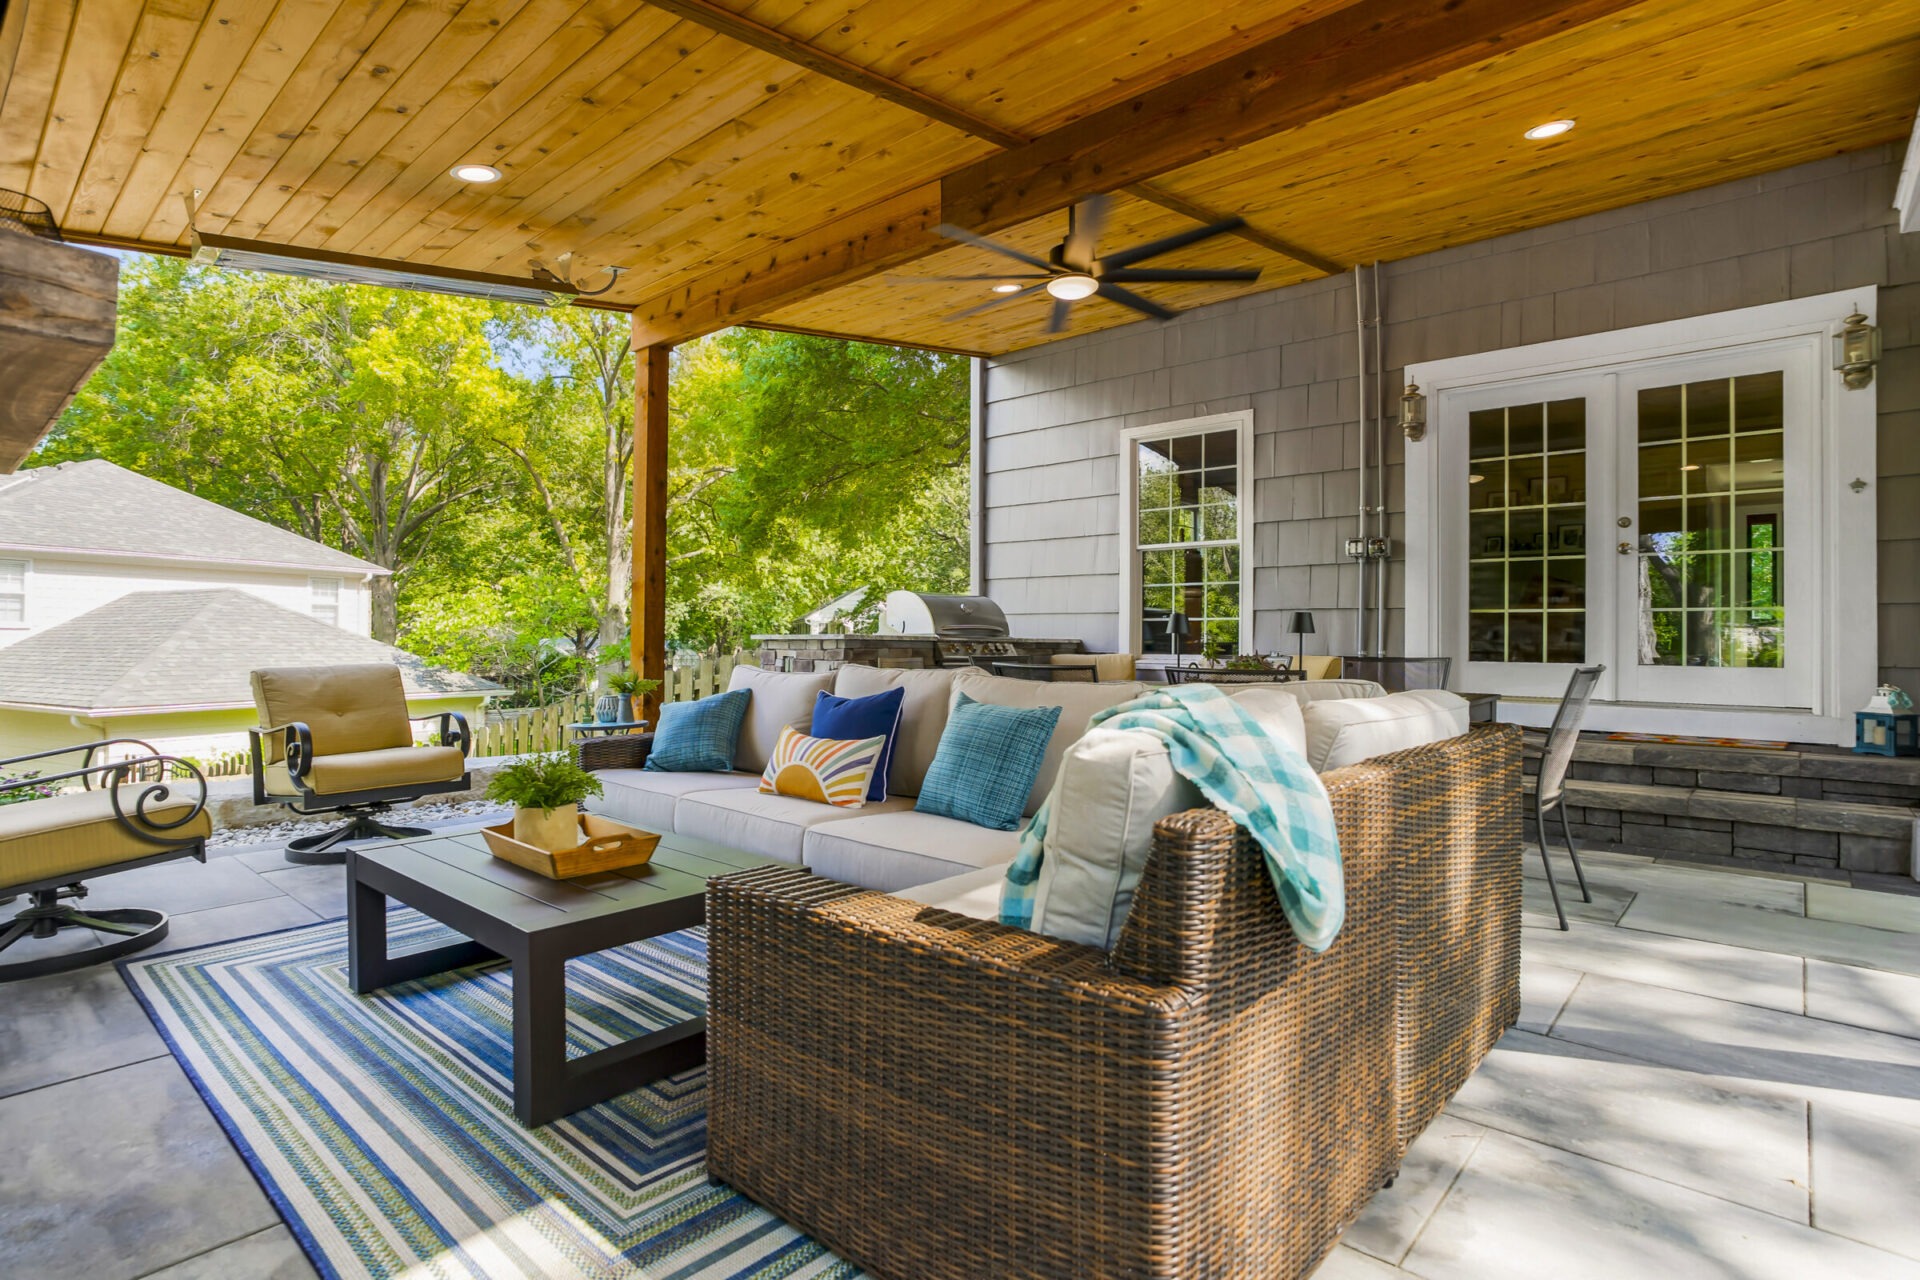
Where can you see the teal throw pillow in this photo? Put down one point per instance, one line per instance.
(698, 737)
(986, 763)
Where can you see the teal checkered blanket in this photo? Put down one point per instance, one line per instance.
(1259, 781)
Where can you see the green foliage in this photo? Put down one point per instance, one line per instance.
(630, 685)
(483, 452)
(543, 782)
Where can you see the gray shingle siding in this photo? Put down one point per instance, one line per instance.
(1054, 413)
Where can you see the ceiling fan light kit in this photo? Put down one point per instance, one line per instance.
(1074, 270)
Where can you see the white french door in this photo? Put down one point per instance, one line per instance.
(1715, 516)
(1657, 517)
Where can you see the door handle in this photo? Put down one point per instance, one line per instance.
(1626, 548)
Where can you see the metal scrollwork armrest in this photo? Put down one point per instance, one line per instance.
(453, 729)
(296, 745)
(157, 779)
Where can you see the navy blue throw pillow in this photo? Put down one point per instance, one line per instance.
(852, 719)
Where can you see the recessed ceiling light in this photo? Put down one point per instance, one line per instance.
(1551, 129)
(1691, 466)
(1073, 288)
(475, 173)
(1006, 288)
(1475, 479)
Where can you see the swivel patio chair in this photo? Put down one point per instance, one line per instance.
(60, 829)
(1551, 795)
(339, 740)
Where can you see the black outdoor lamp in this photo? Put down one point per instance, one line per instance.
(1302, 626)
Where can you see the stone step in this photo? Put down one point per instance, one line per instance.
(1838, 816)
(1801, 773)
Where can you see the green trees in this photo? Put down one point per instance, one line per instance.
(484, 453)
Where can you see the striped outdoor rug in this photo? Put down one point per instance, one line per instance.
(382, 1126)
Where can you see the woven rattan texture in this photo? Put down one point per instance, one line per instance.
(938, 1098)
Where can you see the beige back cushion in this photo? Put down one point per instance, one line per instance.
(361, 707)
(1277, 711)
(1319, 666)
(1346, 731)
(1077, 702)
(923, 715)
(780, 698)
(1106, 666)
(1305, 691)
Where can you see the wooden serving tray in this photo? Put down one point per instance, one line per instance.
(609, 846)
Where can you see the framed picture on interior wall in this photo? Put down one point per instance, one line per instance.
(1570, 537)
(1493, 546)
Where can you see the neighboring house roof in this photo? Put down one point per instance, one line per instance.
(95, 506)
(159, 651)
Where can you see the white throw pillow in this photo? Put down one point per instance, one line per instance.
(1078, 701)
(1113, 786)
(1343, 731)
(780, 698)
(1277, 711)
(923, 715)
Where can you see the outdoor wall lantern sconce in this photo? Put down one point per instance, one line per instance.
(1413, 412)
(1856, 350)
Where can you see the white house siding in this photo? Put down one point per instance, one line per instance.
(1053, 414)
(60, 588)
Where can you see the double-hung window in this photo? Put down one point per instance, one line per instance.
(1186, 529)
(13, 593)
(325, 605)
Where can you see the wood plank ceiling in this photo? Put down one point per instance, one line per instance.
(783, 160)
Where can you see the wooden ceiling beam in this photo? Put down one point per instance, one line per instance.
(1353, 55)
(771, 40)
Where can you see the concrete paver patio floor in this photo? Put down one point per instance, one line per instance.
(1715, 1075)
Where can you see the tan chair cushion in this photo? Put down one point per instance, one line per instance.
(1077, 703)
(780, 698)
(77, 832)
(371, 770)
(1320, 666)
(923, 715)
(349, 708)
(1106, 666)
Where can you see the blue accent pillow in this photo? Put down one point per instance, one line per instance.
(848, 719)
(699, 737)
(986, 763)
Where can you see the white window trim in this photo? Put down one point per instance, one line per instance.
(339, 586)
(1241, 422)
(26, 595)
(1847, 538)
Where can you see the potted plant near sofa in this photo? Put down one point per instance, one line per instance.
(546, 791)
(626, 686)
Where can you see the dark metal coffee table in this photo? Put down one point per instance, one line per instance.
(538, 924)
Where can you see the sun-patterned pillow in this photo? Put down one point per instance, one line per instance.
(822, 769)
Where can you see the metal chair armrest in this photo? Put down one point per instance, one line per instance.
(296, 745)
(453, 729)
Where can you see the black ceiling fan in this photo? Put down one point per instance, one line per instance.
(1075, 269)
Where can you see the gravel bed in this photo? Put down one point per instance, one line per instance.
(419, 815)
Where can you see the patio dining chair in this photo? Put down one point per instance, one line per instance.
(1551, 793)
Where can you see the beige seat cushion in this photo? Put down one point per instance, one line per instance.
(647, 799)
(77, 832)
(333, 775)
(889, 851)
(771, 826)
(779, 698)
(348, 708)
(923, 716)
(1344, 731)
(1077, 703)
(971, 893)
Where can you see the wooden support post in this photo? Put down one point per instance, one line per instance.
(648, 615)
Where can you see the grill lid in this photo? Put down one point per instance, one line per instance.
(915, 613)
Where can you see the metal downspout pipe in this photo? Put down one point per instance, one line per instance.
(1380, 468)
(1360, 378)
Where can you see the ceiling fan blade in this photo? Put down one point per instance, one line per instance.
(1127, 298)
(1147, 275)
(965, 236)
(1008, 276)
(1057, 322)
(1154, 248)
(995, 301)
(1085, 219)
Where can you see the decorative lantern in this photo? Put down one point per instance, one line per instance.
(1413, 412)
(1856, 350)
(1889, 726)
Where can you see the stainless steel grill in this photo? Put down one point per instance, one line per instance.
(967, 630)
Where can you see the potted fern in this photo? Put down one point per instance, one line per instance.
(627, 685)
(546, 791)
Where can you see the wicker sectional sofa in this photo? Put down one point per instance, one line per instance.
(939, 1097)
